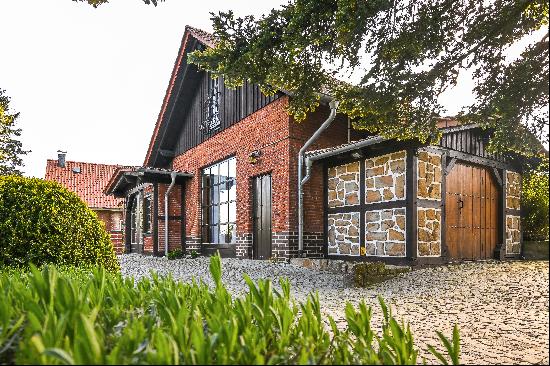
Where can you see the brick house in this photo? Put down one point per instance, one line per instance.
(229, 161)
(88, 180)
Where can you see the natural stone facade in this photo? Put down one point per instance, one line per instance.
(385, 177)
(429, 175)
(429, 232)
(343, 234)
(513, 234)
(343, 185)
(513, 190)
(385, 232)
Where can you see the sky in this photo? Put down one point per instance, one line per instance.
(90, 81)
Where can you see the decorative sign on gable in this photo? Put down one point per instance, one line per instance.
(211, 121)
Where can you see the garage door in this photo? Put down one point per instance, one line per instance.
(471, 213)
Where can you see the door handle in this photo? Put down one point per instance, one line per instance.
(460, 203)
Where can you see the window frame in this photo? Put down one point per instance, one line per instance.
(147, 215)
(219, 191)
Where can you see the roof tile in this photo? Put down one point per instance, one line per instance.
(88, 184)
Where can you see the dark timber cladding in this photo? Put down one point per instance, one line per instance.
(234, 105)
(468, 140)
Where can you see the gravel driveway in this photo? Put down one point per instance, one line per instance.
(501, 307)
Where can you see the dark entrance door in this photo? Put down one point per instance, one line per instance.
(471, 213)
(262, 217)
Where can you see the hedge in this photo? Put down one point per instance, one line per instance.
(43, 222)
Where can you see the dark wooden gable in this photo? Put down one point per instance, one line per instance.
(187, 108)
(468, 139)
(234, 105)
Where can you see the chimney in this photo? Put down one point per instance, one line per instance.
(61, 158)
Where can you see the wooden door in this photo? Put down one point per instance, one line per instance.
(471, 213)
(262, 217)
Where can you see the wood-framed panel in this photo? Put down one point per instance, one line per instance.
(363, 207)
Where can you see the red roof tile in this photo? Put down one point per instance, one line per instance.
(88, 184)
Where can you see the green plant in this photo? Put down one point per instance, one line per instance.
(535, 203)
(42, 222)
(175, 254)
(75, 315)
(194, 254)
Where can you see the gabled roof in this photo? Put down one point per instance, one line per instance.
(204, 38)
(88, 184)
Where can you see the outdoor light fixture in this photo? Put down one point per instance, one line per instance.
(357, 155)
(253, 156)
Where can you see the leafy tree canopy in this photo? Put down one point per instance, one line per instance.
(96, 3)
(11, 149)
(410, 52)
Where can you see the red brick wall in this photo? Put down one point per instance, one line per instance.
(174, 210)
(112, 220)
(279, 138)
(266, 130)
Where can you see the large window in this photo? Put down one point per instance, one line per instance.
(219, 202)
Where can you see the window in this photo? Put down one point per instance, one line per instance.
(219, 202)
(133, 221)
(211, 120)
(116, 222)
(147, 214)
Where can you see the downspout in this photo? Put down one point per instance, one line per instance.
(173, 177)
(301, 181)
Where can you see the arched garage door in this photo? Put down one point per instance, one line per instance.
(471, 210)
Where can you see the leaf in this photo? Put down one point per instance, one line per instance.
(59, 355)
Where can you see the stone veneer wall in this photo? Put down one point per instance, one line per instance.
(343, 234)
(513, 222)
(343, 185)
(513, 234)
(513, 190)
(385, 177)
(385, 232)
(429, 232)
(430, 175)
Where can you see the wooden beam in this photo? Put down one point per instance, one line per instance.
(496, 174)
(411, 202)
(450, 166)
(167, 153)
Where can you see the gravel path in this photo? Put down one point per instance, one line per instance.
(501, 308)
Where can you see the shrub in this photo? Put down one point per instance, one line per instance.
(175, 254)
(194, 254)
(42, 222)
(535, 203)
(366, 274)
(78, 317)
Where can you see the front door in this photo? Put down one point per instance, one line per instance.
(262, 217)
(471, 213)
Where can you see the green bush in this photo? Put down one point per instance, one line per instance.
(535, 203)
(79, 317)
(175, 254)
(369, 273)
(42, 222)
